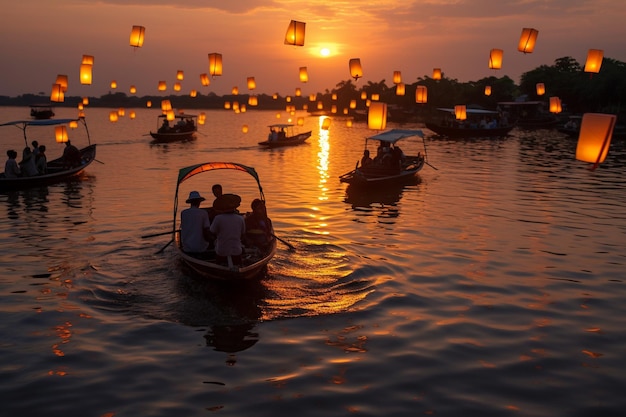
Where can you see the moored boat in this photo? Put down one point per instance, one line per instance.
(283, 135)
(479, 123)
(184, 127)
(41, 111)
(390, 166)
(57, 170)
(529, 115)
(254, 259)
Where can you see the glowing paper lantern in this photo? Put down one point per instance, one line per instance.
(421, 94)
(132, 114)
(333, 96)
(487, 90)
(541, 89)
(204, 80)
(136, 36)
(251, 83)
(166, 105)
(85, 101)
(57, 94)
(193, 93)
(375, 96)
(320, 105)
(400, 88)
(149, 103)
(121, 112)
(234, 91)
(62, 79)
(227, 105)
(133, 89)
(304, 75)
(295, 33)
(162, 86)
(244, 128)
(113, 116)
(377, 116)
(177, 86)
(81, 114)
(275, 96)
(60, 134)
(326, 123)
(495, 58)
(596, 130)
(353, 104)
(85, 73)
(594, 60)
(356, 71)
(460, 112)
(87, 60)
(300, 121)
(333, 108)
(180, 75)
(288, 99)
(73, 124)
(253, 101)
(114, 84)
(81, 106)
(215, 64)
(298, 92)
(349, 123)
(555, 105)
(436, 73)
(527, 40)
(169, 115)
(312, 97)
(363, 95)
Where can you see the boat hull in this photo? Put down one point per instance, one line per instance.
(172, 137)
(456, 132)
(290, 141)
(380, 177)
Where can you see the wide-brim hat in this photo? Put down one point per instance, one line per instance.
(195, 196)
(227, 202)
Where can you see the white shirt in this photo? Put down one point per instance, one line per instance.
(230, 229)
(193, 221)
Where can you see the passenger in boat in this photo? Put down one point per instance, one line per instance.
(71, 156)
(217, 191)
(35, 148)
(229, 227)
(366, 159)
(259, 228)
(41, 161)
(27, 164)
(282, 135)
(195, 231)
(165, 126)
(397, 156)
(11, 168)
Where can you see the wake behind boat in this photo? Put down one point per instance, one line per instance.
(183, 127)
(57, 170)
(283, 135)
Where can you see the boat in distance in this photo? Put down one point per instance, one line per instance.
(390, 166)
(282, 135)
(184, 128)
(479, 123)
(254, 258)
(41, 111)
(57, 170)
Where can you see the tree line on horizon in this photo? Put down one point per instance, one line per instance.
(580, 92)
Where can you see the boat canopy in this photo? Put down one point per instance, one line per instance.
(178, 116)
(45, 122)
(394, 135)
(469, 111)
(281, 125)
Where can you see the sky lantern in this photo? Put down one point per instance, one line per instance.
(377, 116)
(251, 83)
(234, 91)
(81, 106)
(62, 79)
(180, 75)
(527, 40)
(85, 101)
(275, 96)
(204, 80)
(333, 108)
(375, 96)
(298, 92)
(162, 86)
(555, 105)
(121, 112)
(304, 74)
(227, 105)
(73, 124)
(87, 60)
(132, 115)
(57, 94)
(300, 121)
(495, 58)
(113, 84)
(113, 116)
(136, 36)
(253, 100)
(356, 71)
(349, 123)
(596, 130)
(288, 99)
(177, 86)
(421, 94)
(436, 73)
(166, 105)
(363, 95)
(201, 118)
(400, 89)
(325, 123)
(594, 60)
(193, 93)
(133, 89)
(244, 128)
(353, 104)
(170, 115)
(149, 103)
(295, 33)
(60, 134)
(312, 97)
(487, 90)
(541, 89)
(397, 77)
(215, 64)
(81, 114)
(85, 73)
(320, 105)
(460, 112)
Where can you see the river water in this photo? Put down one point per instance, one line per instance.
(493, 286)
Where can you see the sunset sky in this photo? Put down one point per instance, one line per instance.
(42, 38)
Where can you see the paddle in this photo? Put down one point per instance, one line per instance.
(431, 166)
(291, 247)
(158, 234)
(163, 248)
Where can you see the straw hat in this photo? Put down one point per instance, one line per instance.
(195, 196)
(227, 202)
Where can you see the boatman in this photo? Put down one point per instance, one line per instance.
(195, 232)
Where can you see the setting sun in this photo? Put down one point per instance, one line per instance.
(324, 52)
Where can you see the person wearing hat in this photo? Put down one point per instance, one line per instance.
(229, 227)
(195, 226)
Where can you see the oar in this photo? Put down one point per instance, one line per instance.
(431, 166)
(163, 248)
(159, 234)
(291, 247)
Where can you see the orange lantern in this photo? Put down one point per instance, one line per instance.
(596, 130)
(180, 75)
(421, 94)
(397, 77)
(304, 75)
(363, 95)
(298, 92)
(326, 123)
(594, 60)
(349, 123)
(320, 105)
(73, 124)
(113, 116)
(555, 105)
(60, 134)
(136, 36)
(113, 84)
(495, 58)
(204, 80)
(312, 97)
(333, 96)
(215, 64)
(87, 60)
(169, 115)
(300, 121)
(149, 103)
(400, 89)
(333, 108)
(121, 112)
(356, 71)
(487, 90)
(288, 99)
(375, 96)
(251, 83)
(377, 116)
(295, 33)
(86, 101)
(541, 89)
(460, 112)
(132, 114)
(166, 105)
(62, 79)
(244, 128)
(85, 73)
(133, 89)
(253, 101)
(227, 105)
(353, 104)
(177, 86)
(436, 73)
(57, 94)
(193, 93)
(162, 86)
(527, 40)
(234, 91)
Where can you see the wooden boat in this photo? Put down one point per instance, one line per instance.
(184, 127)
(254, 259)
(470, 128)
(386, 169)
(56, 169)
(529, 115)
(41, 111)
(288, 137)
(571, 128)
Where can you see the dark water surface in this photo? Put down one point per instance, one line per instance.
(494, 286)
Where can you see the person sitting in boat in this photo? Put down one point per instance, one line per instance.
(27, 164)
(35, 148)
(71, 156)
(195, 233)
(41, 161)
(229, 227)
(11, 168)
(165, 126)
(366, 159)
(217, 191)
(259, 230)
(282, 135)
